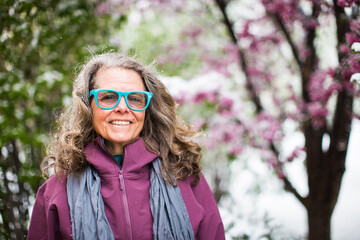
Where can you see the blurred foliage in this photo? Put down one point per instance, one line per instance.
(41, 43)
(151, 36)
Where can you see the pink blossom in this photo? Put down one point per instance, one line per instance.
(118, 7)
(268, 127)
(331, 72)
(275, 97)
(236, 150)
(357, 116)
(255, 46)
(352, 37)
(245, 32)
(226, 103)
(226, 107)
(199, 124)
(295, 153)
(349, 66)
(222, 67)
(225, 131)
(270, 133)
(227, 136)
(161, 59)
(270, 158)
(273, 163)
(219, 64)
(232, 52)
(103, 8)
(335, 87)
(174, 54)
(317, 110)
(355, 26)
(345, 49)
(162, 5)
(316, 85)
(281, 174)
(180, 100)
(193, 32)
(286, 9)
(319, 90)
(263, 44)
(201, 97)
(304, 52)
(345, 3)
(349, 86)
(252, 71)
(311, 23)
(318, 113)
(274, 38)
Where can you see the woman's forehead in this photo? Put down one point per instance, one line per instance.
(119, 79)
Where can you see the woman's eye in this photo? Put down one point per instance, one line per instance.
(108, 97)
(135, 99)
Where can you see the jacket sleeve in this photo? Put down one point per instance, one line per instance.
(38, 224)
(50, 216)
(211, 226)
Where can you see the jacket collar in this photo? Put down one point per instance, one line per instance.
(136, 158)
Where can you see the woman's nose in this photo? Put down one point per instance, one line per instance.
(121, 107)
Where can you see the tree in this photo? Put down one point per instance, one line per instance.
(41, 44)
(285, 59)
(325, 166)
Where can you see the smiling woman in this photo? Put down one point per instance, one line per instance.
(126, 166)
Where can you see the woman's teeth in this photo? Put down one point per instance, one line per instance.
(121, 123)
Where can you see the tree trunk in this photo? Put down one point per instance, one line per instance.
(326, 168)
(317, 202)
(319, 220)
(324, 178)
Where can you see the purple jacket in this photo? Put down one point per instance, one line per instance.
(126, 199)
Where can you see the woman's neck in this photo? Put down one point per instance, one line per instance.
(114, 148)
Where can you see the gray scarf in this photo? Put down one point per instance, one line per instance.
(88, 219)
(171, 219)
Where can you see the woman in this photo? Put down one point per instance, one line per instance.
(126, 167)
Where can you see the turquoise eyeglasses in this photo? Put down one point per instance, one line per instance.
(109, 99)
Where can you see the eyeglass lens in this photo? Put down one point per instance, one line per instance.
(108, 99)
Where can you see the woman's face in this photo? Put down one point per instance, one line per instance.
(120, 125)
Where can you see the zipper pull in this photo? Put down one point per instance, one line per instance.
(121, 179)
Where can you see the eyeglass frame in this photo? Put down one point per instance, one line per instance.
(95, 92)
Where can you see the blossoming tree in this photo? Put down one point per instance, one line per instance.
(324, 104)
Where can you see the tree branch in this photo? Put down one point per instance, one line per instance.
(287, 184)
(289, 187)
(289, 39)
(305, 67)
(311, 60)
(243, 63)
(342, 118)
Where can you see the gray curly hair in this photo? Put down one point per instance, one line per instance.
(164, 133)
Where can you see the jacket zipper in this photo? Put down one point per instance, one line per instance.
(128, 227)
(126, 206)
